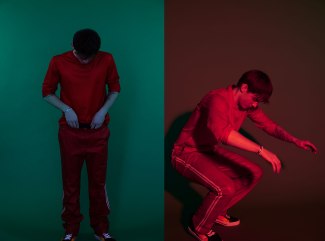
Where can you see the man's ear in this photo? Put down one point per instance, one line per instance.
(243, 88)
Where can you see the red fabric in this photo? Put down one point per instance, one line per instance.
(77, 146)
(213, 119)
(82, 86)
(198, 156)
(228, 176)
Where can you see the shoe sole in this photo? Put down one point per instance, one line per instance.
(99, 238)
(195, 235)
(73, 239)
(230, 224)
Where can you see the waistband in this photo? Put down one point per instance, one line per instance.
(84, 126)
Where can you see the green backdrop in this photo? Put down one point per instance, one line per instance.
(31, 190)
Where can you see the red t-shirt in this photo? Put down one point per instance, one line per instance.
(215, 116)
(82, 86)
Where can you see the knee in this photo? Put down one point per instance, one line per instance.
(225, 191)
(256, 174)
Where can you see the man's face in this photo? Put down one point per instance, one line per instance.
(247, 100)
(83, 59)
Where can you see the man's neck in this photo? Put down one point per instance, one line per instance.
(236, 93)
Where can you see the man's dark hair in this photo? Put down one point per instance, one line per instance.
(258, 83)
(86, 42)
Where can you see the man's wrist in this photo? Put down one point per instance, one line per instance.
(103, 111)
(67, 109)
(260, 150)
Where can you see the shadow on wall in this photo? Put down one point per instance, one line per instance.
(175, 184)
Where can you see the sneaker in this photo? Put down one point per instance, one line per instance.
(210, 236)
(227, 220)
(105, 237)
(68, 237)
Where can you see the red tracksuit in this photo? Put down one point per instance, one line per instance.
(83, 87)
(198, 155)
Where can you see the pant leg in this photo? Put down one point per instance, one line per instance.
(225, 182)
(72, 157)
(201, 168)
(244, 173)
(96, 161)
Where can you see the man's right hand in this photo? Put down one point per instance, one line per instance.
(272, 159)
(238, 140)
(71, 118)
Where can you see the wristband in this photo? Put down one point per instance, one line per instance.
(260, 150)
(68, 109)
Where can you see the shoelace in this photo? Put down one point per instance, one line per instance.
(68, 237)
(107, 235)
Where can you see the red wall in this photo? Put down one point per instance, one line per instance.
(209, 44)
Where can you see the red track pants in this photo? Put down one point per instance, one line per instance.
(77, 146)
(228, 176)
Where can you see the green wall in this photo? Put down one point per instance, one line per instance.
(31, 190)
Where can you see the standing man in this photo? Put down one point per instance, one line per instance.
(198, 155)
(83, 74)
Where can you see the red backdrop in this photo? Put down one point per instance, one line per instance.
(209, 44)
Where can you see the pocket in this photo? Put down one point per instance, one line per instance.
(61, 132)
(107, 132)
(103, 132)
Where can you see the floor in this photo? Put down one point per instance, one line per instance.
(20, 230)
(300, 222)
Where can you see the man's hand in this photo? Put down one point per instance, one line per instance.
(99, 117)
(98, 120)
(306, 145)
(71, 118)
(272, 159)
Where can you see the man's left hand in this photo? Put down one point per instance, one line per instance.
(98, 120)
(306, 145)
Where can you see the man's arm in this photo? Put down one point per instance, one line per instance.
(262, 121)
(69, 114)
(238, 140)
(282, 134)
(50, 84)
(100, 115)
(223, 132)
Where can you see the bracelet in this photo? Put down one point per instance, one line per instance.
(68, 109)
(260, 150)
